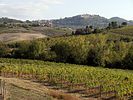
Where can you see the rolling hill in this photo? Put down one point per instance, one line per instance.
(15, 30)
(86, 19)
(20, 33)
(77, 21)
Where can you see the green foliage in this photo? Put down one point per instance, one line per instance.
(72, 51)
(96, 50)
(62, 51)
(32, 50)
(36, 49)
(87, 30)
(21, 50)
(128, 60)
(111, 79)
(106, 50)
(97, 30)
(112, 25)
(124, 24)
(4, 50)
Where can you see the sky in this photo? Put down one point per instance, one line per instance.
(55, 9)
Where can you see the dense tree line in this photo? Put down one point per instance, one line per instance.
(94, 50)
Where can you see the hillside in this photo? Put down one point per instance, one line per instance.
(128, 30)
(50, 31)
(81, 21)
(117, 19)
(9, 20)
(86, 19)
(77, 21)
(11, 34)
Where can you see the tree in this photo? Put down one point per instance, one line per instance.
(79, 50)
(124, 24)
(91, 27)
(36, 48)
(73, 33)
(112, 25)
(128, 60)
(62, 51)
(71, 51)
(4, 50)
(97, 30)
(27, 21)
(88, 29)
(22, 50)
(79, 31)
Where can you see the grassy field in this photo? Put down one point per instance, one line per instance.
(52, 31)
(44, 30)
(128, 30)
(102, 82)
(14, 30)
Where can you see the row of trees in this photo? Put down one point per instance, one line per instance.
(94, 50)
(114, 25)
(90, 29)
(87, 30)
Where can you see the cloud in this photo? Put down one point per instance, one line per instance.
(26, 9)
(52, 1)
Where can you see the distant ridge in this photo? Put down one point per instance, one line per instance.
(9, 20)
(81, 21)
(76, 21)
(87, 19)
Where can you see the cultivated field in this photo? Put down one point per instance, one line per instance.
(91, 82)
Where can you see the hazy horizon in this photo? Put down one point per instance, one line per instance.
(55, 9)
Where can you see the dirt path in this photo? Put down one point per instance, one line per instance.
(41, 89)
